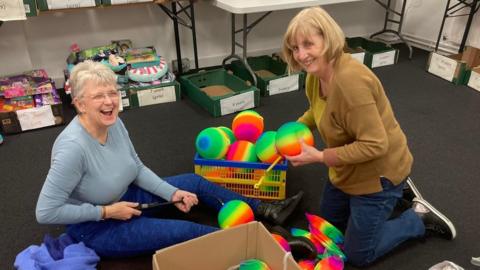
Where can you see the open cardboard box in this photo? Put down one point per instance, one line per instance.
(223, 249)
(455, 67)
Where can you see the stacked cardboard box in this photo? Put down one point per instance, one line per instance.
(29, 101)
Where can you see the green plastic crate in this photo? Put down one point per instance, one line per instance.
(377, 54)
(30, 8)
(244, 96)
(279, 82)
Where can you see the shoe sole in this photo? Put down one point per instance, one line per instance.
(414, 189)
(439, 214)
(288, 211)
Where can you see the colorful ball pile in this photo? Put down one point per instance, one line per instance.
(229, 133)
(253, 264)
(248, 126)
(288, 138)
(265, 147)
(212, 143)
(233, 213)
(242, 151)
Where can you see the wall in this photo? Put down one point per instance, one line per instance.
(44, 41)
(423, 30)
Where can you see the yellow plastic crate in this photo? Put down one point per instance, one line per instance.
(242, 176)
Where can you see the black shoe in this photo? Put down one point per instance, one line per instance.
(434, 221)
(300, 247)
(410, 191)
(278, 211)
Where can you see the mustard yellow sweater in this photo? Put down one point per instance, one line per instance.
(364, 140)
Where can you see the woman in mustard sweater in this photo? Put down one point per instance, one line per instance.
(366, 150)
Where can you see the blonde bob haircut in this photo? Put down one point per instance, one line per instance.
(311, 21)
(90, 71)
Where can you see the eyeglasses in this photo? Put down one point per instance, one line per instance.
(100, 97)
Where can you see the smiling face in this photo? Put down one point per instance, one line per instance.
(98, 105)
(308, 51)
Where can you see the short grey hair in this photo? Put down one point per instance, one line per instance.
(90, 71)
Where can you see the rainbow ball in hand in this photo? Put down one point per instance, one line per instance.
(212, 143)
(242, 151)
(265, 147)
(289, 136)
(248, 126)
(233, 213)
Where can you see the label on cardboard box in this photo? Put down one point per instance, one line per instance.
(120, 2)
(12, 10)
(61, 4)
(237, 103)
(283, 85)
(156, 95)
(359, 57)
(383, 59)
(36, 117)
(442, 66)
(474, 81)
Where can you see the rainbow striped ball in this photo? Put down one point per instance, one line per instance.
(212, 143)
(242, 151)
(282, 241)
(229, 133)
(253, 264)
(265, 147)
(233, 213)
(248, 126)
(288, 138)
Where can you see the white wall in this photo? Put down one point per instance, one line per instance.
(44, 41)
(422, 24)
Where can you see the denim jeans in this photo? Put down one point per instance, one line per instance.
(369, 233)
(145, 234)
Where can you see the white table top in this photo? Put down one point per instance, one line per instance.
(252, 6)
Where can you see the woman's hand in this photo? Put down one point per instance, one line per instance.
(308, 155)
(121, 210)
(188, 200)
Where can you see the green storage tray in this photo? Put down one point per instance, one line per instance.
(244, 96)
(374, 49)
(277, 68)
(30, 8)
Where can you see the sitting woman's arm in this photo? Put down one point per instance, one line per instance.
(66, 170)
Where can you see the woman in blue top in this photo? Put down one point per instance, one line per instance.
(96, 180)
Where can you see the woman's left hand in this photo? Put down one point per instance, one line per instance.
(188, 200)
(308, 155)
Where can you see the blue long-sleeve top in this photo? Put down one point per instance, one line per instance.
(85, 174)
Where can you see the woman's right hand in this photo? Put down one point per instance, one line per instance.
(121, 210)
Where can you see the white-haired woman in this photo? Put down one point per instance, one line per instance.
(96, 180)
(366, 150)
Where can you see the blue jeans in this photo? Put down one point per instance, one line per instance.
(369, 233)
(146, 234)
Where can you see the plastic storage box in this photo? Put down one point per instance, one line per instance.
(241, 96)
(242, 176)
(271, 73)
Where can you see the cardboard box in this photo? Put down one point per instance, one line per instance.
(377, 54)
(44, 5)
(123, 2)
(455, 67)
(27, 119)
(223, 249)
(272, 75)
(474, 80)
(356, 53)
(30, 8)
(240, 95)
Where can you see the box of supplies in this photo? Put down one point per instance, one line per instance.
(377, 54)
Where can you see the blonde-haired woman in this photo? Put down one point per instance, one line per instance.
(96, 180)
(366, 150)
